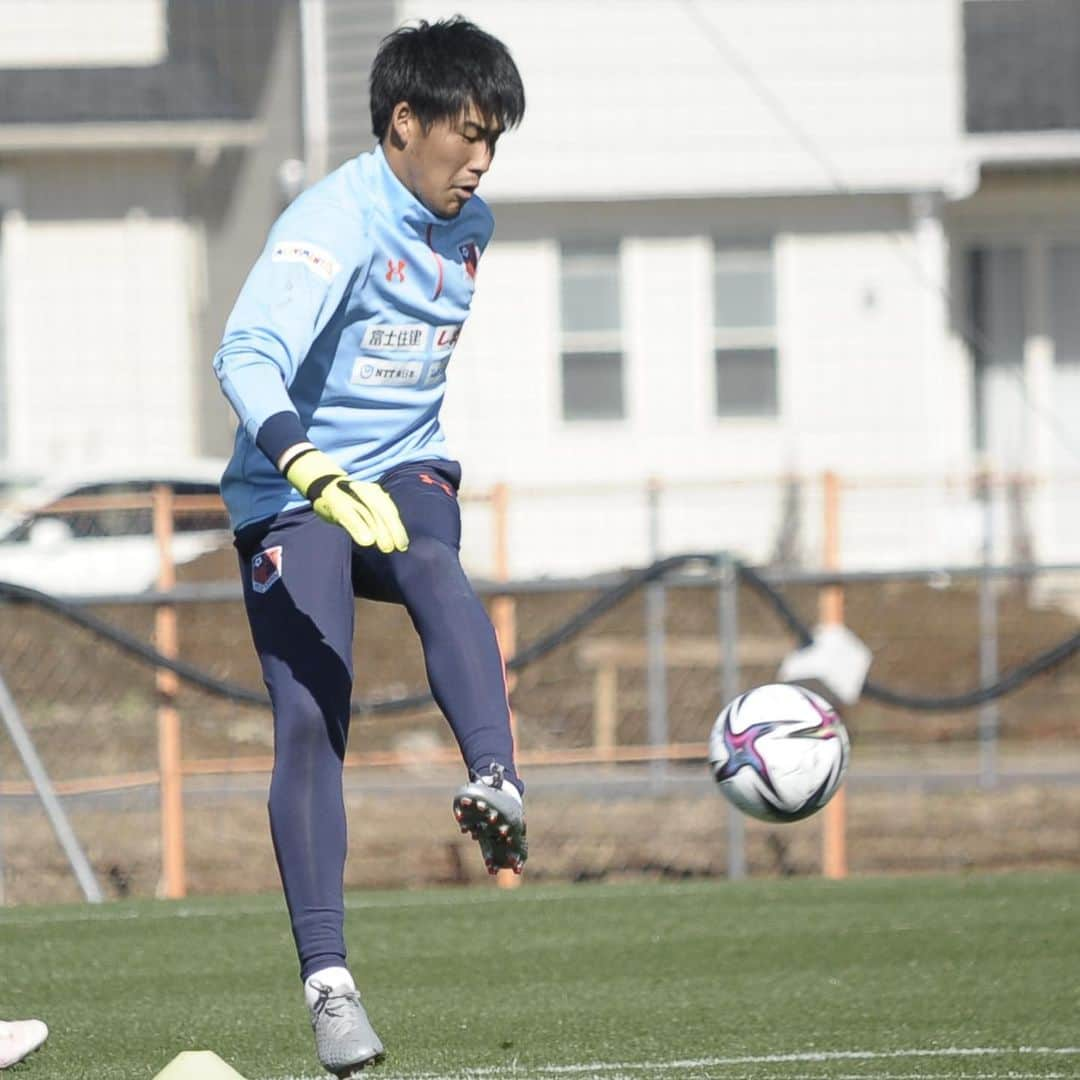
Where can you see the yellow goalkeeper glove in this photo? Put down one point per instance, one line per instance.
(363, 510)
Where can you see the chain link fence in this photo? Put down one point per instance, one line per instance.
(612, 714)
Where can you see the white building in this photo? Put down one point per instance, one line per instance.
(140, 147)
(737, 241)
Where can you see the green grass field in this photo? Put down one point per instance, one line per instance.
(888, 977)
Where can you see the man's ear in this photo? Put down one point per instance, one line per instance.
(403, 125)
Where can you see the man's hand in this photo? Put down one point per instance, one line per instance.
(363, 510)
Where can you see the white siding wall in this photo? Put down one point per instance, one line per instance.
(868, 387)
(99, 298)
(664, 123)
(81, 33)
(858, 379)
(638, 97)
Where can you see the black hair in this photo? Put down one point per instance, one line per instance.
(440, 69)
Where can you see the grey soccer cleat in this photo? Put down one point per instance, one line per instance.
(344, 1038)
(495, 818)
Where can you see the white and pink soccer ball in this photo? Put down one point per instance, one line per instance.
(779, 752)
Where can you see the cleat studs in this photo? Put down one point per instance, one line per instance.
(465, 829)
(466, 801)
(458, 815)
(481, 805)
(493, 817)
(504, 831)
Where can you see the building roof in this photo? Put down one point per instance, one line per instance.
(1022, 61)
(219, 57)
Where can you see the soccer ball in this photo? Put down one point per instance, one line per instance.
(778, 752)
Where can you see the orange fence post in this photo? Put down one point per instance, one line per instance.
(173, 885)
(504, 618)
(503, 612)
(831, 613)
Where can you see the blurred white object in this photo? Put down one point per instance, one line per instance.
(18, 1038)
(837, 657)
(83, 550)
(198, 1065)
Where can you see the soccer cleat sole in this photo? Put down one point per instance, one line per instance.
(352, 1072)
(501, 838)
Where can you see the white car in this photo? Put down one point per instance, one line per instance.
(60, 538)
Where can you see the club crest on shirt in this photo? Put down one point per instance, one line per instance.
(265, 568)
(470, 256)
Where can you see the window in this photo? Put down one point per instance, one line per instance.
(592, 354)
(744, 331)
(996, 290)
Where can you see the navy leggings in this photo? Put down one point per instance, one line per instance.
(300, 576)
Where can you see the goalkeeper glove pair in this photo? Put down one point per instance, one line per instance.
(363, 510)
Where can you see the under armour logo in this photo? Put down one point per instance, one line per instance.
(395, 269)
(426, 479)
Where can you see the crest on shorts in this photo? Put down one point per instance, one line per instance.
(265, 568)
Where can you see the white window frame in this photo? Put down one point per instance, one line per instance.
(593, 341)
(730, 254)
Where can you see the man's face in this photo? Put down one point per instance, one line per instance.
(443, 165)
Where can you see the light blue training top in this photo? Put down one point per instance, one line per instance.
(348, 319)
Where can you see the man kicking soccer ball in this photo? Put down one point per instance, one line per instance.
(19, 1039)
(341, 483)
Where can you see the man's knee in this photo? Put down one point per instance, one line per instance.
(428, 565)
(304, 726)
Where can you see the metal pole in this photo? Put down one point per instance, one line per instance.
(655, 636)
(316, 110)
(729, 688)
(55, 812)
(989, 715)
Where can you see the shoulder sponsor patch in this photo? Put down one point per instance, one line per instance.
(265, 568)
(318, 260)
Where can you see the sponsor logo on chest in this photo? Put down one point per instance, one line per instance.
(402, 340)
(405, 337)
(367, 371)
(446, 337)
(436, 371)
